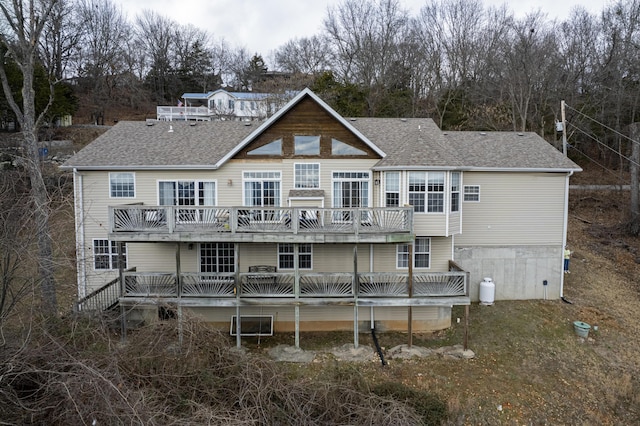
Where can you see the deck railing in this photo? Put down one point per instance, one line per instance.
(170, 219)
(170, 113)
(283, 285)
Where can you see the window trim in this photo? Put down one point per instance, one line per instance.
(133, 177)
(464, 193)
(196, 186)
(295, 176)
(309, 254)
(386, 188)
(453, 191)
(216, 244)
(112, 254)
(246, 179)
(336, 178)
(399, 253)
(427, 192)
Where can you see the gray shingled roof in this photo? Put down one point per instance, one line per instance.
(415, 142)
(134, 144)
(506, 150)
(407, 143)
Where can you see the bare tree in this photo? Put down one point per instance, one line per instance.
(60, 39)
(365, 37)
(531, 60)
(24, 23)
(102, 63)
(308, 55)
(157, 33)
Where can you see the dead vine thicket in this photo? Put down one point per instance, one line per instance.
(80, 373)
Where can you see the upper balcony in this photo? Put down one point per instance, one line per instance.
(181, 113)
(261, 225)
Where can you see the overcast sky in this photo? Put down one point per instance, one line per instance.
(263, 25)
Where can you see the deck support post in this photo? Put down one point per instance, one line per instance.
(355, 297)
(237, 289)
(179, 291)
(238, 331)
(123, 311)
(296, 291)
(410, 284)
(465, 343)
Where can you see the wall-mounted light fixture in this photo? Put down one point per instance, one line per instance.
(376, 182)
(190, 246)
(230, 182)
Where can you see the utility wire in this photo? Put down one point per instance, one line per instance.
(601, 124)
(593, 160)
(604, 144)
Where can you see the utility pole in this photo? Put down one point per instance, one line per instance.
(564, 128)
(634, 167)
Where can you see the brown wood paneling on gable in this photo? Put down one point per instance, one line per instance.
(307, 118)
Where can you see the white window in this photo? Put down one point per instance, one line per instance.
(286, 256)
(306, 145)
(421, 254)
(262, 189)
(307, 175)
(455, 192)
(105, 255)
(471, 193)
(190, 194)
(217, 257)
(187, 193)
(392, 189)
(426, 192)
(122, 185)
(350, 190)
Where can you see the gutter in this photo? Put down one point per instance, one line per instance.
(480, 169)
(139, 167)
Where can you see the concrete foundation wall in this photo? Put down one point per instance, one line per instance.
(518, 272)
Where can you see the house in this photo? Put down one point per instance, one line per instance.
(223, 105)
(313, 221)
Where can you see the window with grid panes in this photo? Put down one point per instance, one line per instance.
(286, 256)
(217, 257)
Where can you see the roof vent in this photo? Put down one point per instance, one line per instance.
(192, 124)
(483, 133)
(404, 120)
(150, 123)
(170, 129)
(247, 123)
(352, 119)
(520, 134)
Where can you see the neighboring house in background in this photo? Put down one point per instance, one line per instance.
(223, 105)
(311, 221)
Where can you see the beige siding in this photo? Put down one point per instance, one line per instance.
(455, 223)
(430, 223)
(330, 318)
(514, 209)
(385, 256)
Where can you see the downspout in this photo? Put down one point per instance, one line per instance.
(78, 206)
(564, 231)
